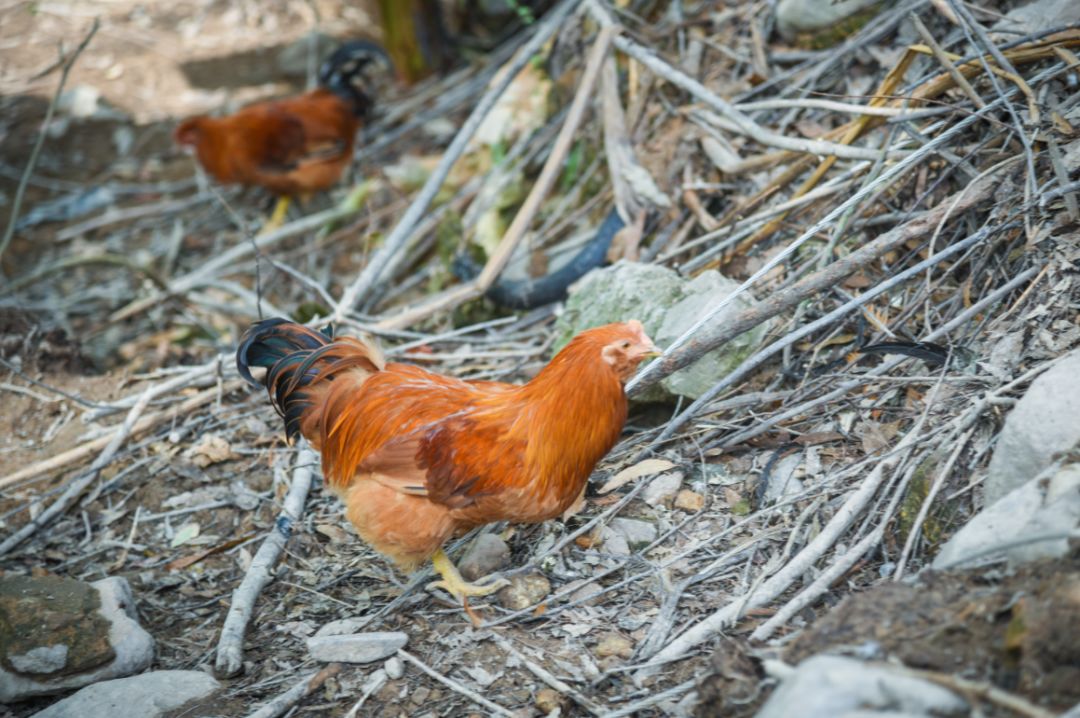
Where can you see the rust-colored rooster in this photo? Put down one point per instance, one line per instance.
(418, 457)
(295, 145)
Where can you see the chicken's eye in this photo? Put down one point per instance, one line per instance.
(626, 345)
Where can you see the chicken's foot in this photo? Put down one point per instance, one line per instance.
(278, 217)
(453, 583)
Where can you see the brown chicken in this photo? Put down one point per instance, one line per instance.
(418, 457)
(296, 145)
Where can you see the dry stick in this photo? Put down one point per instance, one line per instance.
(881, 369)
(397, 238)
(990, 692)
(760, 357)
(634, 708)
(547, 677)
(207, 271)
(305, 687)
(514, 233)
(927, 502)
(744, 124)
(943, 58)
(20, 191)
(796, 567)
(454, 685)
(143, 425)
(75, 489)
(674, 359)
(230, 649)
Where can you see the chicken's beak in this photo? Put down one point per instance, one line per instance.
(650, 351)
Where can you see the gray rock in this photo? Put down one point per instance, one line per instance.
(394, 668)
(487, 554)
(357, 647)
(147, 696)
(292, 60)
(663, 488)
(782, 480)
(524, 591)
(58, 634)
(1045, 422)
(798, 16)
(667, 305)
(1049, 503)
(831, 686)
(637, 533)
(614, 542)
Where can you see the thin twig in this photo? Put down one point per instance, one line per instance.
(547, 677)
(454, 685)
(230, 648)
(20, 191)
(304, 687)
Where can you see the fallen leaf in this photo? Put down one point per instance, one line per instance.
(186, 533)
(212, 449)
(642, 468)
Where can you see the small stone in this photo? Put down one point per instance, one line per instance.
(394, 668)
(689, 501)
(356, 648)
(613, 644)
(663, 488)
(614, 542)
(548, 699)
(524, 591)
(421, 694)
(147, 695)
(487, 554)
(638, 533)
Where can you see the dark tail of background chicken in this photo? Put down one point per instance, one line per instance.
(345, 73)
(297, 359)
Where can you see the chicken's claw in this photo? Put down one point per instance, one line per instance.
(455, 585)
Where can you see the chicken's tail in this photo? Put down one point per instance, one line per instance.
(346, 73)
(299, 361)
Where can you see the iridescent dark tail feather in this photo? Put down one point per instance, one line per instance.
(296, 358)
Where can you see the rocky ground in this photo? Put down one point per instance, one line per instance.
(852, 489)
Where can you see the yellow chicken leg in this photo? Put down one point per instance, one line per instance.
(278, 217)
(454, 584)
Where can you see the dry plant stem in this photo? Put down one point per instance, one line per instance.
(780, 581)
(524, 217)
(20, 191)
(760, 357)
(75, 489)
(305, 687)
(744, 124)
(143, 425)
(709, 338)
(882, 369)
(230, 648)
(208, 271)
(942, 57)
(665, 365)
(927, 502)
(632, 709)
(548, 678)
(396, 240)
(472, 695)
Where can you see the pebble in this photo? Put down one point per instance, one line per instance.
(689, 501)
(548, 699)
(394, 668)
(662, 489)
(487, 554)
(613, 644)
(638, 533)
(357, 647)
(524, 591)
